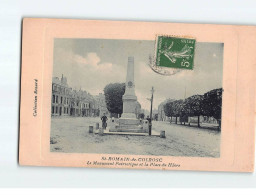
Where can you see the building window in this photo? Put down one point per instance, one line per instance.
(53, 98)
(56, 109)
(52, 109)
(61, 100)
(57, 99)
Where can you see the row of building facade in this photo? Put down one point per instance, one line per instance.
(70, 102)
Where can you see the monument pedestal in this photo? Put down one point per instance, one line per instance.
(128, 122)
(128, 125)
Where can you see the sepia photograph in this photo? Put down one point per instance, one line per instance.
(108, 99)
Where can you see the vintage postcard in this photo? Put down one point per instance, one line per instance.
(137, 95)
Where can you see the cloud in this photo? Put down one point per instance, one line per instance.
(86, 71)
(92, 61)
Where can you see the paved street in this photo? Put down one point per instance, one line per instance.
(71, 135)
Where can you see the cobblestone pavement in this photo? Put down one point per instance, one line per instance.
(71, 135)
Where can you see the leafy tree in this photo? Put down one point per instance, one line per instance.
(178, 109)
(168, 108)
(212, 104)
(193, 106)
(182, 112)
(209, 104)
(113, 97)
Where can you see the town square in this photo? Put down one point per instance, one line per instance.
(117, 109)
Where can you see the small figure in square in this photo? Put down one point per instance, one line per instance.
(149, 119)
(104, 119)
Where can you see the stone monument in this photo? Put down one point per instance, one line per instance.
(129, 97)
(128, 121)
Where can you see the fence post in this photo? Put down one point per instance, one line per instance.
(90, 129)
(162, 134)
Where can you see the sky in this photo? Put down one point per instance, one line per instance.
(91, 64)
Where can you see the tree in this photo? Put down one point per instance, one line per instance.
(177, 109)
(193, 106)
(212, 104)
(113, 97)
(168, 108)
(182, 112)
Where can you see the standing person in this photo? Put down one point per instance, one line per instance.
(149, 125)
(104, 119)
(149, 119)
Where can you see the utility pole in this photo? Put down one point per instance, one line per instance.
(150, 120)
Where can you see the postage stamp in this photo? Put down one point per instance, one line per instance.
(174, 52)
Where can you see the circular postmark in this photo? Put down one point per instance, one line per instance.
(162, 70)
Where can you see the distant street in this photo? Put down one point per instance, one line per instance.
(71, 135)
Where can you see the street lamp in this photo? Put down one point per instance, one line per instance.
(150, 118)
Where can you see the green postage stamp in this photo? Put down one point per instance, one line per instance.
(174, 52)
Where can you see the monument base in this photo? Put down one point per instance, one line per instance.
(128, 121)
(128, 130)
(128, 116)
(128, 125)
(130, 133)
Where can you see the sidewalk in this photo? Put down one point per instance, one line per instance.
(211, 126)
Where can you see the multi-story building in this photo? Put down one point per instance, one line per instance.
(75, 104)
(87, 103)
(100, 105)
(60, 97)
(68, 102)
(161, 114)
